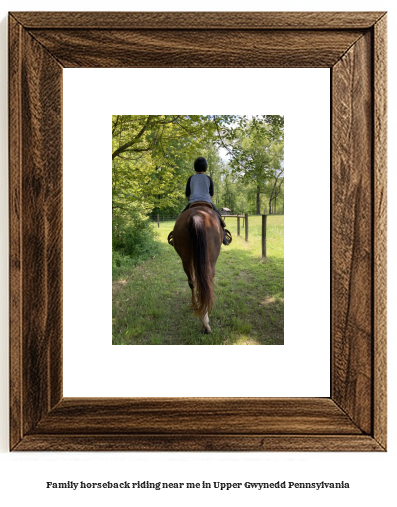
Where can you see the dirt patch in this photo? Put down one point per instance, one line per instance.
(267, 301)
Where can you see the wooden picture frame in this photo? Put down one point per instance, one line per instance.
(353, 46)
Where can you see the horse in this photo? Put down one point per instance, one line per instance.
(197, 238)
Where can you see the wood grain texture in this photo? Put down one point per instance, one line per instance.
(15, 227)
(199, 443)
(242, 416)
(196, 48)
(351, 228)
(41, 86)
(380, 229)
(200, 20)
(36, 99)
(354, 45)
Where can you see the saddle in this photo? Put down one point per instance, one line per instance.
(200, 203)
(208, 205)
(227, 237)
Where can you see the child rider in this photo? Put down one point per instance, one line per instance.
(200, 188)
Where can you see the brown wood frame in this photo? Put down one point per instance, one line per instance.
(353, 46)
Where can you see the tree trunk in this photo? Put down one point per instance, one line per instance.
(258, 209)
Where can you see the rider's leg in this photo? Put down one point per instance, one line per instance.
(227, 237)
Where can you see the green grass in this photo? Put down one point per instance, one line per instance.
(151, 304)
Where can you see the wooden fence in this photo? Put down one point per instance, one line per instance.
(245, 220)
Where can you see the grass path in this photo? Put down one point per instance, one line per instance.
(151, 304)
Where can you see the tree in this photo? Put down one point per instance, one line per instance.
(278, 176)
(150, 157)
(134, 134)
(251, 147)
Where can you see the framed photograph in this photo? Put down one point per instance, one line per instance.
(353, 46)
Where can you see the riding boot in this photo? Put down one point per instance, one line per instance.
(227, 237)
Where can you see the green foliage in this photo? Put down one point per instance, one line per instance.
(153, 157)
(256, 151)
(133, 239)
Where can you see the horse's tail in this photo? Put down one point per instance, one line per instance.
(202, 268)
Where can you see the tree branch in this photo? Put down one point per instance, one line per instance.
(115, 124)
(225, 145)
(125, 146)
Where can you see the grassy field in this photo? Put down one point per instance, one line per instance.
(151, 304)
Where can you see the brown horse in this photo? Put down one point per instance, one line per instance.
(197, 238)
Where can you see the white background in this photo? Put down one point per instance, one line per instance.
(23, 476)
(302, 95)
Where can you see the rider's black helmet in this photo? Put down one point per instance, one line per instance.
(200, 164)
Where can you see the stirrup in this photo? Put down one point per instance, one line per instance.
(227, 237)
(170, 238)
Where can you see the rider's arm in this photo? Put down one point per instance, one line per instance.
(187, 191)
(211, 189)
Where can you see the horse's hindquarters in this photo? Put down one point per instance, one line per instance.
(197, 240)
(214, 235)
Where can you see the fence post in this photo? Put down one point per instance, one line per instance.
(158, 220)
(246, 227)
(264, 220)
(238, 225)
